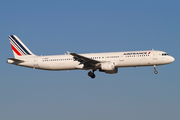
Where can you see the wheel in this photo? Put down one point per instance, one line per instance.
(90, 73)
(93, 76)
(155, 72)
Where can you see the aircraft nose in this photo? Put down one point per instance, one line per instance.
(172, 59)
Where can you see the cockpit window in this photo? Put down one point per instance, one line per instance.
(164, 54)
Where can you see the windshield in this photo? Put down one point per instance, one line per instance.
(164, 54)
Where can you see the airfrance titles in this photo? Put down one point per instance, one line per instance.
(137, 53)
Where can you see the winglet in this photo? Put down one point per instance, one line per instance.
(68, 52)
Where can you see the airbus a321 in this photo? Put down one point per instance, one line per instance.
(104, 62)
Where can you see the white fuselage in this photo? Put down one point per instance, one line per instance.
(121, 59)
(104, 62)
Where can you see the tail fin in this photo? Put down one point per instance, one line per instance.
(19, 49)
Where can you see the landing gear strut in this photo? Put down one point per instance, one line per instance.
(155, 71)
(91, 74)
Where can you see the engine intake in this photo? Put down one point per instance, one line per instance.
(108, 67)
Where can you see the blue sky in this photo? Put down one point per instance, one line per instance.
(54, 27)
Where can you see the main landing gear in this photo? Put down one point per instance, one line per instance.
(155, 71)
(91, 74)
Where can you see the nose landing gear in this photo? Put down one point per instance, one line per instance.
(155, 71)
(91, 74)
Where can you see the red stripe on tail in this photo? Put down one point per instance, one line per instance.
(15, 50)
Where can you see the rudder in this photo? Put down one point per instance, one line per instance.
(19, 49)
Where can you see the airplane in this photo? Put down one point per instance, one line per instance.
(104, 62)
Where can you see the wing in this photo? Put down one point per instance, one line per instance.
(88, 62)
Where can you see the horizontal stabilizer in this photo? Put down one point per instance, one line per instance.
(16, 60)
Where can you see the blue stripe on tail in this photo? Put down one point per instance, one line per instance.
(15, 45)
(20, 45)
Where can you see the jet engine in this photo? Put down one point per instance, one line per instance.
(108, 67)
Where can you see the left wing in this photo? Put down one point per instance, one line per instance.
(84, 60)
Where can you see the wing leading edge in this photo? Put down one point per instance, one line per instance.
(88, 62)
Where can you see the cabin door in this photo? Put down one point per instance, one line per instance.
(121, 58)
(35, 62)
(154, 55)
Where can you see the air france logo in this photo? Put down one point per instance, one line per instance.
(138, 53)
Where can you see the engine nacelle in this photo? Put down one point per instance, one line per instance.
(112, 71)
(107, 66)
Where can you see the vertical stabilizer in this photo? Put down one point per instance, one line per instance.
(19, 49)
